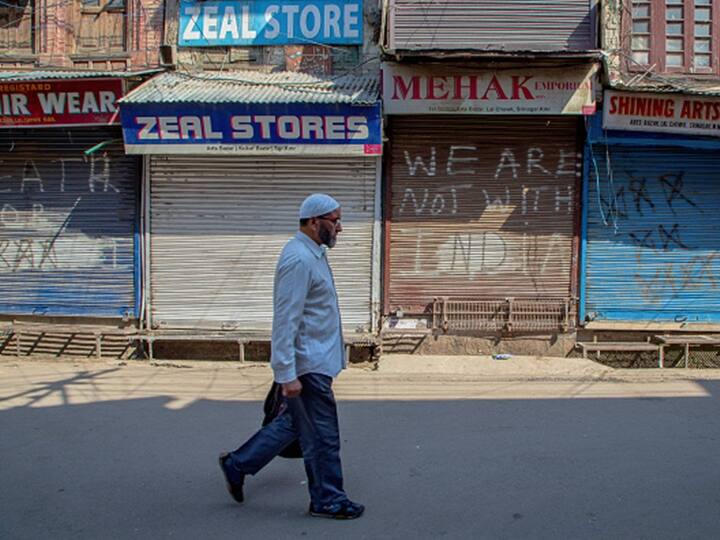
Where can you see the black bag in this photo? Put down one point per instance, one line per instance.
(275, 405)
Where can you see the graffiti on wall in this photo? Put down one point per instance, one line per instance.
(662, 218)
(38, 231)
(514, 214)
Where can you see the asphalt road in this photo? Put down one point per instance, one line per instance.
(123, 451)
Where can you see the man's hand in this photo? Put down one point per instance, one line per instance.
(291, 389)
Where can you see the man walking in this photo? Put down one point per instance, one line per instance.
(307, 353)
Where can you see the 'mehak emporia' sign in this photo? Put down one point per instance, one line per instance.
(447, 90)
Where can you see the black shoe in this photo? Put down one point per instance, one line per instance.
(341, 510)
(234, 488)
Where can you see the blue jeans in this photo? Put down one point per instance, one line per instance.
(313, 418)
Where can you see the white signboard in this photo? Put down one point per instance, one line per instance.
(664, 113)
(448, 90)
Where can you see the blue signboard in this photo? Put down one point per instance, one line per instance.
(265, 22)
(254, 129)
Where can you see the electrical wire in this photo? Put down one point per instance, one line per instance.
(649, 79)
(302, 42)
(132, 15)
(597, 179)
(138, 12)
(325, 81)
(611, 192)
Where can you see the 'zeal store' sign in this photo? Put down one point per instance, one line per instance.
(662, 113)
(266, 22)
(252, 129)
(60, 103)
(448, 90)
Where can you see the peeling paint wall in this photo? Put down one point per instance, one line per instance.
(611, 35)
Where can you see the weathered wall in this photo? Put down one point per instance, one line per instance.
(320, 59)
(57, 26)
(610, 35)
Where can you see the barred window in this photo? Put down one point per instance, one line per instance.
(102, 26)
(17, 27)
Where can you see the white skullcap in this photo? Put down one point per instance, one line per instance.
(317, 204)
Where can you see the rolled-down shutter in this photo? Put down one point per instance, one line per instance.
(481, 207)
(67, 223)
(558, 25)
(653, 250)
(219, 224)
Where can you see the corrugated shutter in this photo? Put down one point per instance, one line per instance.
(481, 207)
(558, 25)
(67, 223)
(218, 225)
(653, 251)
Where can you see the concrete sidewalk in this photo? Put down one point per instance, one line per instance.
(395, 377)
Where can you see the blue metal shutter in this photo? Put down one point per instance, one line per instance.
(651, 221)
(68, 224)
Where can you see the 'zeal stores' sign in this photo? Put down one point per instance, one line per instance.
(662, 113)
(445, 90)
(59, 103)
(252, 129)
(265, 22)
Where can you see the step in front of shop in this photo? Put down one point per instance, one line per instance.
(238, 345)
(32, 339)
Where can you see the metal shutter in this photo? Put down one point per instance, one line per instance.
(558, 25)
(652, 249)
(481, 207)
(218, 225)
(68, 223)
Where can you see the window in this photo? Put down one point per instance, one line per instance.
(17, 27)
(102, 27)
(675, 35)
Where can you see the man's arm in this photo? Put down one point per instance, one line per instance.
(292, 282)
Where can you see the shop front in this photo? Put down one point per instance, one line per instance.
(230, 158)
(651, 254)
(69, 212)
(482, 196)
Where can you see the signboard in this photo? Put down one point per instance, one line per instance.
(662, 113)
(266, 22)
(448, 90)
(252, 129)
(59, 103)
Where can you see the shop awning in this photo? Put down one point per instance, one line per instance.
(256, 87)
(253, 113)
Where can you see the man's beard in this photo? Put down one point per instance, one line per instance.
(327, 238)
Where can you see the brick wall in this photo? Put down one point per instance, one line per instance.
(59, 28)
(147, 32)
(314, 59)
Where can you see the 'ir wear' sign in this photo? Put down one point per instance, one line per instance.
(60, 103)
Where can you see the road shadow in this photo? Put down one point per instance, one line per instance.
(490, 468)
